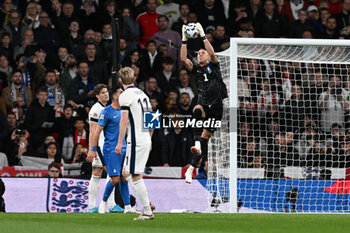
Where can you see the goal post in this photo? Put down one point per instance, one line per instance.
(233, 100)
(305, 178)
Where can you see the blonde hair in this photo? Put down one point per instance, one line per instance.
(126, 74)
(31, 4)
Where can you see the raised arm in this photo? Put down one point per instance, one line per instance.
(183, 52)
(207, 44)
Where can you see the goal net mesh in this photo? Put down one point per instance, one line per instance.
(293, 134)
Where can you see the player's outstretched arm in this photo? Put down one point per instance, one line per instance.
(93, 143)
(207, 44)
(122, 131)
(183, 52)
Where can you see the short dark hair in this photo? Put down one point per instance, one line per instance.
(168, 60)
(16, 71)
(163, 16)
(42, 89)
(50, 71)
(68, 2)
(323, 9)
(183, 69)
(62, 46)
(18, 57)
(174, 90)
(251, 139)
(181, 4)
(150, 42)
(55, 165)
(192, 12)
(273, 2)
(148, 79)
(14, 11)
(332, 17)
(67, 106)
(11, 113)
(90, 43)
(115, 90)
(79, 119)
(83, 61)
(5, 34)
(185, 93)
(98, 88)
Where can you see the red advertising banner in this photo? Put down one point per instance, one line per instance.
(21, 172)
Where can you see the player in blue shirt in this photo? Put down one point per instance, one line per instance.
(109, 123)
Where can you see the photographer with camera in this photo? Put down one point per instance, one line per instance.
(333, 105)
(18, 146)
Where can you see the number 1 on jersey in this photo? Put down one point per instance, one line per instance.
(205, 77)
(145, 103)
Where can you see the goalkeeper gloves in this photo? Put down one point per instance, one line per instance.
(184, 36)
(201, 31)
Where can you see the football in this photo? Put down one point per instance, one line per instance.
(191, 30)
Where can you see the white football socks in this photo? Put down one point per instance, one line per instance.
(141, 191)
(130, 182)
(93, 189)
(190, 169)
(102, 207)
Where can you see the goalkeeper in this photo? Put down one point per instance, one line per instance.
(211, 92)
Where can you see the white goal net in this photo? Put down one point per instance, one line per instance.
(291, 151)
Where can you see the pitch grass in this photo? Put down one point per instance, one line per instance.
(255, 223)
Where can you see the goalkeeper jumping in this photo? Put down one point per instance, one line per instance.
(211, 92)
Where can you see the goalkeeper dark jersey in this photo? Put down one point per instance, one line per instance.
(211, 88)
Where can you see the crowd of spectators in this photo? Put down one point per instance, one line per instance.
(53, 53)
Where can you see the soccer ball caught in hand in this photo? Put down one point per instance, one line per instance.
(191, 30)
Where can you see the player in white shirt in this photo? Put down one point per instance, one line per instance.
(133, 103)
(102, 95)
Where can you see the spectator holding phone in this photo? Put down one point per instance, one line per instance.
(78, 154)
(18, 146)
